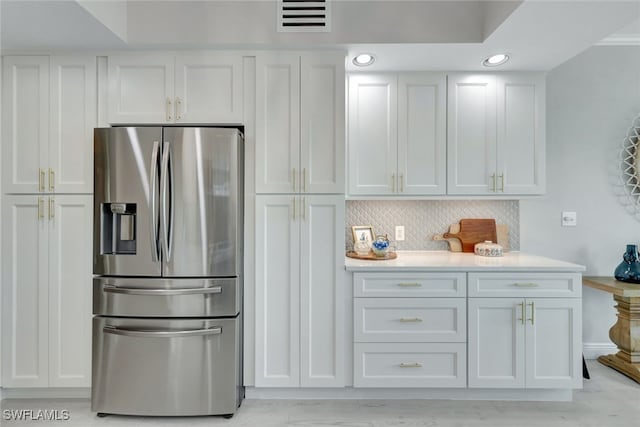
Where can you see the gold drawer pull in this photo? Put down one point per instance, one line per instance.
(41, 179)
(526, 285)
(522, 313)
(410, 285)
(52, 180)
(40, 208)
(533, 310)
(410, 319)
(411, 365)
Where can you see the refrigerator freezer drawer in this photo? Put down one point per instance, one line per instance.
(164, 367)
(135, 297)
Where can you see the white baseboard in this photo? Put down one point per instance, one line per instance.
(542, 395)
(45, 393)
(593, 350)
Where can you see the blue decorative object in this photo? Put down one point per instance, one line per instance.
(629, 268)
(380, 245)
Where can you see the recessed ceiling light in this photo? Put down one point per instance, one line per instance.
(364, 59)
(495, 60)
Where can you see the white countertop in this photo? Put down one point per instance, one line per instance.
(459, 261)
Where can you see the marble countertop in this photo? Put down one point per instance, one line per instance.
(458, 261)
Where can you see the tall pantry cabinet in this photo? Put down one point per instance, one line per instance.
(299, 220)
(49, 112)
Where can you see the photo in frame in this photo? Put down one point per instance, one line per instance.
(360, 231)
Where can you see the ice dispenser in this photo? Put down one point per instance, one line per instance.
(118, 233)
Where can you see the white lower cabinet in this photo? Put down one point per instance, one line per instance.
(403, 337)
(496, 329)
(299, 304)
(410, 365)
(410, 319)
(525, 343)
(46, 290)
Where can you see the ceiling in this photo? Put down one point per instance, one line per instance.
(407, 35)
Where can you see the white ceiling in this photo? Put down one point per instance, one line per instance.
(410, 35)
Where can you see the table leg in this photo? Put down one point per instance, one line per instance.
(626, 335)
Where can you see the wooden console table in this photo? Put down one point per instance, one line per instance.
(626, 332)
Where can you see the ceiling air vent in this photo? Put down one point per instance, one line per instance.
(304, 16)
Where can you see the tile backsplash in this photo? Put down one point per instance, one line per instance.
(422, 219)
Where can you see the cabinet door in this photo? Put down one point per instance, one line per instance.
(277, 294)
(373, 135)
(554, 343)
(25, 294)
(72, 119)
(322, 121)
(208, 88)
(471, 137)
(521, 138)
(277, 123)
(25, 134)
(70, 262)
(422, 133)
(141, 89)
(496, 343)
(321, 292)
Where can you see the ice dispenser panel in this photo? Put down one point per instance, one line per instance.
(118, 229)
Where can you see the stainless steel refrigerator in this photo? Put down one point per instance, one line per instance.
(167, 295)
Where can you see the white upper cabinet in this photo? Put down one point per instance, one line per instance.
(49, 112)
(472, 134)
(422, 134)
(25, 127)
(161, 89)
(278, 123)
(141, 89)
(300, 123)
(496, 134)
(520, 135)
(322, 122)
(72, 120)
(373, 137)
(397, 134)
(208, 88)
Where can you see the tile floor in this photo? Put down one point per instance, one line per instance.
(609, 399)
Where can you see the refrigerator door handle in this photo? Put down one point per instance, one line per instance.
(161, 334)
(153, 220)
(163, 292)
(166, 210)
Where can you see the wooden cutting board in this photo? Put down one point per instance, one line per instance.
(502, 230)
(473, 231)
(454, 244)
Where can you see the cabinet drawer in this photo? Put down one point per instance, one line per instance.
(525, 284)
(410, 320)
(409, 284)
(410, 365)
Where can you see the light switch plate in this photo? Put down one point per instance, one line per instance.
(399, 233)
(569, 219)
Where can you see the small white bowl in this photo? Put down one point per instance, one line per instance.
(487, 248)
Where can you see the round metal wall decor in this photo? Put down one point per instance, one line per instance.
(630, 156)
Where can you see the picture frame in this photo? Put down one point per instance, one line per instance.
(359, 230)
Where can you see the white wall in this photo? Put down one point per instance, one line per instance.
(591, 102)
